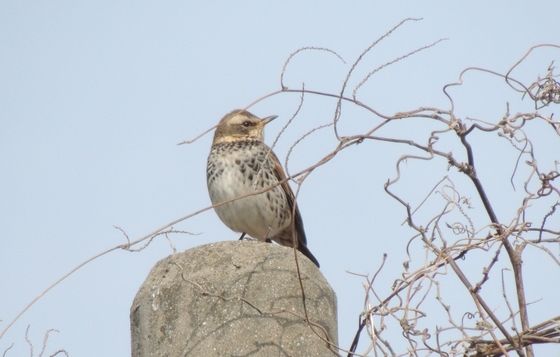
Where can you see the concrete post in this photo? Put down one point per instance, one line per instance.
(234, 298)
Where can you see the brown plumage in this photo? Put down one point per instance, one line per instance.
(239, 164)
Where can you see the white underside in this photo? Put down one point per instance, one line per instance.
(251, 215)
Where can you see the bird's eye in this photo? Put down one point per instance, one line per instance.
(246, 123)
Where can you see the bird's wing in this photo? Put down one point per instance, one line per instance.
(290, 197)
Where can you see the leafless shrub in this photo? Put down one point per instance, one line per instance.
(43, 348)
(448, 229)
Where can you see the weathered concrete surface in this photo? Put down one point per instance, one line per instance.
(177, 311)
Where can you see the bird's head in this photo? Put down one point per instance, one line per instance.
(240, 125)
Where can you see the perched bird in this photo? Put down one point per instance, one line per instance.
(239, 164)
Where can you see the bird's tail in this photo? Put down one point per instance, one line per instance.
(303, 248)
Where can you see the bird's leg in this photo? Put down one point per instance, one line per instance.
(242, 236)
(266, 239)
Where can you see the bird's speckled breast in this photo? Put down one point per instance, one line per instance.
(236, 169)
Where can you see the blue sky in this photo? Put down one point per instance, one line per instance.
(94, 97)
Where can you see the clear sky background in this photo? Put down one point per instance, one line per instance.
(94, 97)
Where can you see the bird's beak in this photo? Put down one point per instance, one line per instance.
(268, 119)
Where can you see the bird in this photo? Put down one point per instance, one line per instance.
(240, 164)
